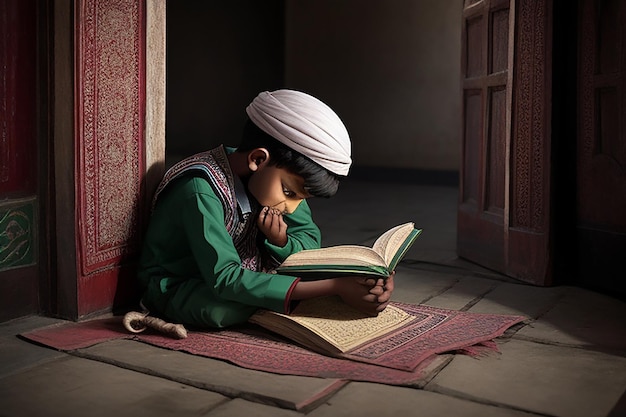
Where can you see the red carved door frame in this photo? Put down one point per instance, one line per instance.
(102, 151)
(21, 197)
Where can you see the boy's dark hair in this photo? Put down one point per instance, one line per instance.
(318, 181)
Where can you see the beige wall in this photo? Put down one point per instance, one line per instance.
(389, 68)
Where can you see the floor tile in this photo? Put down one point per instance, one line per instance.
(75, 387)
(540, 378)
(17, 355)
(284, 391)
(463, 293)
(415, 286)
(372, 400)
(582, 318)
(239, 407)
(519, 299)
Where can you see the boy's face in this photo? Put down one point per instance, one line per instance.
(277, 188)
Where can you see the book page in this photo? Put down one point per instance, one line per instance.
(389, 242)
(335, 255)
(344, 327)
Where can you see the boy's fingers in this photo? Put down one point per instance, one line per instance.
(384, 297)
(275, 225)
(368, 282)
(370, 298)
(263, 215)
(389, 285)
(377, 290)
(381, 307)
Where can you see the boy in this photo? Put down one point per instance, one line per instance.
(224, 219)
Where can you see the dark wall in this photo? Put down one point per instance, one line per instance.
(220, 55)
(390, 69)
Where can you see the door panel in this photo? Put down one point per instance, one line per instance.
(19, 201)
(504, 212)
(486, 86)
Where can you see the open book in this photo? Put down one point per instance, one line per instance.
(379, 260)
(329, 326)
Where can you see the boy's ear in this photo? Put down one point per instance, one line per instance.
(257, 157)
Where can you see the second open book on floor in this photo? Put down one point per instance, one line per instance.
(329, 326)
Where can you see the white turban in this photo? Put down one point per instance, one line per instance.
(306, 125)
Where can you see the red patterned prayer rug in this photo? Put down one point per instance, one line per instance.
(399, 358)
(434, 331)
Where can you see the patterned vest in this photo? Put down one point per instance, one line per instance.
(213, 165)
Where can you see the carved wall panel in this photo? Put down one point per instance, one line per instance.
(18, 233)
(110, 130)
(530, 132)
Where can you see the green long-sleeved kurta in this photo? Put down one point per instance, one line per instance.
(190, 270)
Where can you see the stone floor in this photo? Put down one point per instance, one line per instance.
(568, 360)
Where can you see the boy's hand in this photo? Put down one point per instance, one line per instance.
(273, 226)
(368, 295)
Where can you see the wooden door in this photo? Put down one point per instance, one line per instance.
(108, 141)
(504, 208)
(601, 150)
(20, 201)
